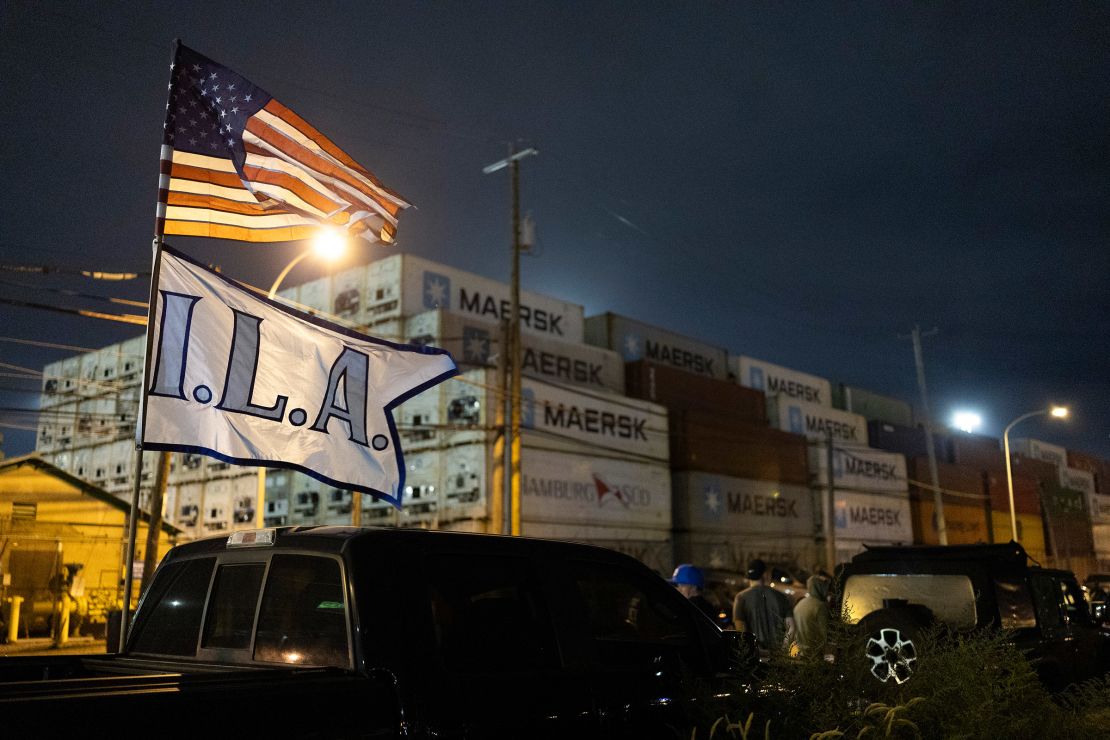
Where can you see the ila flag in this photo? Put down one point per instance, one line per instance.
(237, 164)
(250, 381)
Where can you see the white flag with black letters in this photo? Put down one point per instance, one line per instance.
(250, 381)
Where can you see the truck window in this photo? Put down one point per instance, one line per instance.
(488, 616)
(1015, 605)
(303, 618)
(628, 618)
(1047, 602)
(231, 608)
(1074, 604)
(173, 625)
(950, 597)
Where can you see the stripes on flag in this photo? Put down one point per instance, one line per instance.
(237, 164)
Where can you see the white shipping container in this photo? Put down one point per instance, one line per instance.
(637, 341)
(816, 422)
(872, 517)
(777, 381)
(859, 469)
(460, 411)
(1099, 506)
(704, 502)
(1039, 450)
(1077, 480)
(476, 342)
(557, 488)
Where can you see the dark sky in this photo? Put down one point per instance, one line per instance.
(797, 182)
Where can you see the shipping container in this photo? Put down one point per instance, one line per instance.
(799, 555)
(955, 480)
(816, 422)
(910, 441)
(872, 406)
(1027, 489)
(701, 441)
(1097, 466)
(872, 517)
(859, 469)
(1099, 507)
(707, 502)
(1030, 529)
(680, 391)
(656, 551)
(777, 381)
(1039, 450)
(978, 450)
(1068, 521)
(402, 285)
(1077, 480)
(965, 525)
(1101, 535)
(599, 492)
(461, 411)
(634, 341)
(475, 342)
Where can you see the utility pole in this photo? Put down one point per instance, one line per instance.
(938, 497)
(154, 525)
(497, 489)
(513, 161)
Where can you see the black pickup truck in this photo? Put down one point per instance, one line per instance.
(340, 632)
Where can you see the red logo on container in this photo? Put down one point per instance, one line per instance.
(604, 490)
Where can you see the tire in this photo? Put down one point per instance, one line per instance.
(891, 639)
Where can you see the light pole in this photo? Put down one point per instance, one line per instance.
(1057, 412)
(329, 245)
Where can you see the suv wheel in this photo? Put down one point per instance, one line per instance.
(891, 639)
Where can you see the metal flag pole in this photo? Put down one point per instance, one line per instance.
(165, 160)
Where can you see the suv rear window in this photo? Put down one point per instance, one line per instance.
(303, 619)
(950, 597)
(178, 596)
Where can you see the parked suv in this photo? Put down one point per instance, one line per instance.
(896, 592)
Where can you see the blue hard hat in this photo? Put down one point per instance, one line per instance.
(688, 575)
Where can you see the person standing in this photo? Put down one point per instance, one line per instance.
(690, 582)
(811, 617)
(763, 611)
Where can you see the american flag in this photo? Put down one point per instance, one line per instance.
(237, 164)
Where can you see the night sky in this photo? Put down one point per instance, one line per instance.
(797, 182)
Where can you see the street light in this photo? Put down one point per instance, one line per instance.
(1056, 412)
(329, 245)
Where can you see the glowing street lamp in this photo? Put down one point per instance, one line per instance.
(1056, 412)
(967, 421)
(329, 245)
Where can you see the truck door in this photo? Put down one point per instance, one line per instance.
(497, 668)
(646, 650)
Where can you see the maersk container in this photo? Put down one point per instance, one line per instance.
(910, 441)
(976, 449)
(634, 341)
(707, 502)
(859, 469)
(703, 441)
(1077, 480)
(872, 406)
(476, 342)
(1039, 450)
(401, 286)
(816, 423)
(679, 391)
(867, 516)
(461, 410)
(777, 381)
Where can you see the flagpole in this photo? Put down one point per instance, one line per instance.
(152, 311)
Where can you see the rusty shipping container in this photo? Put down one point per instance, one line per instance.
(679, 391)
(702, 441)
(910, 441)
(978, 450)
(1096, 466)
